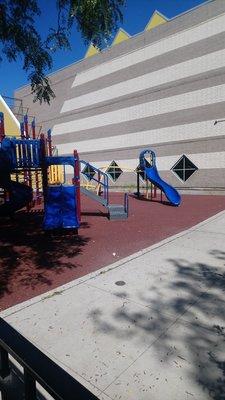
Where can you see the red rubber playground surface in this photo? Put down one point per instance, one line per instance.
(33, 262)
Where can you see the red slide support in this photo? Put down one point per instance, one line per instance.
(2, 127)
(77, 183)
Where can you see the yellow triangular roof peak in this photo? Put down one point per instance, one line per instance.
(156, 19)
(121, 35)
(12, 125)
(91, 51)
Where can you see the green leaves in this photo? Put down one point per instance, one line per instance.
(40, 87)
(95, 19)
(19, 38)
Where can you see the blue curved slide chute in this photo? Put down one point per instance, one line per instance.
(19, 195)
(153, 176)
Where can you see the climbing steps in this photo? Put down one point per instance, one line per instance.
(115, 211)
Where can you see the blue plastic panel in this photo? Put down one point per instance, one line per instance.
(69, 214)
(60, 207)
(53, 216)
(22, 152)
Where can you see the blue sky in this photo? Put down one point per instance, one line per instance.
(136, 16)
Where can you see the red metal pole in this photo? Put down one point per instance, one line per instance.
(2, 135)
(2, 127)
(43, 165)
(26, 129)
(22, 130)
(49, 140)
(38, 198)
(33, 129)
(22, 153)
(77, 183)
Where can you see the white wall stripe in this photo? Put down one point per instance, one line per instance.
(166, 105)
(214, 160)
(182, 70)
(180, 39)
(179, 133)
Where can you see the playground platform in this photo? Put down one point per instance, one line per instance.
(149, 326)
(33, 262)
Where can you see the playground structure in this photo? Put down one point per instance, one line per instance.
(146, 172)
(29, 173)
(28, 160)
(149, 172)
(32, 171)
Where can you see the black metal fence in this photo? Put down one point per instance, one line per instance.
(37, 367)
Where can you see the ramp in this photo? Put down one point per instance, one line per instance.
(93, 196)
(115, 211)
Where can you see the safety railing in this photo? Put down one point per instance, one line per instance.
(16, 106)
(37, 368)
(26, 153)
(143, 161)
(102, 179)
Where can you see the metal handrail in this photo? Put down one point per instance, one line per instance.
(104, 184)
(37, 368)
(142, 159)
(12, 104)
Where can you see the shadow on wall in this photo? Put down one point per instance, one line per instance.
(186, 313)
(28, 255)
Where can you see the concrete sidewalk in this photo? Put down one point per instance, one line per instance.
(150, 327)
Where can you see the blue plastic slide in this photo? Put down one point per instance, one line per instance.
(61, 207)
(153, 176)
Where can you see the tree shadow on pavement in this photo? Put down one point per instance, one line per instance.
(183, 320)
(29, 256)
